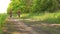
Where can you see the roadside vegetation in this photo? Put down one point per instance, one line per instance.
(2, 19)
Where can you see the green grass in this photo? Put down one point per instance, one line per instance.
(2, 18)
(45, 17)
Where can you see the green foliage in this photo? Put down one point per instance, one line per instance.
(2, 18)
(30, 6)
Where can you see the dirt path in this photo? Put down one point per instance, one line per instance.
(27, 26)
(16, 26)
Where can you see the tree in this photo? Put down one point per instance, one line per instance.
(33, 6)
